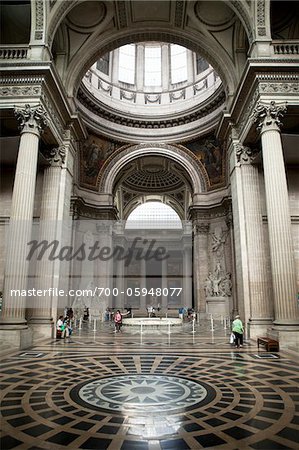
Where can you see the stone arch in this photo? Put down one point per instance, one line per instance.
(219, 60)
(183, 157)
(172, 31)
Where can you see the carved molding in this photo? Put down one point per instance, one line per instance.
(33, 119)
(179, 13)
(268, 115)
(279, 88)
(39, 20)
(261, 19)
(20, 91)
(52, 113)
(246, 114)
(122, 14)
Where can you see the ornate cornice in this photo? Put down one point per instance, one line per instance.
(33, 119)
(268, 115)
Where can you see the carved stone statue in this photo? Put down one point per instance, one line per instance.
(217, 285)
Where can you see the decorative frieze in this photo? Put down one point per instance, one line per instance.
(279, 88)
(31, 118)
(20, 91)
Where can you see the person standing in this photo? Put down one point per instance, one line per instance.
(238, 330)
(117, 321)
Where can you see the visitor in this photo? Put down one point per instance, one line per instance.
(238, 330)
(61, 328)
(117, 321)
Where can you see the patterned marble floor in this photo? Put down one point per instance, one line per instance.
(102, 390)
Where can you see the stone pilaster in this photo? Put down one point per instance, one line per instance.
(261, 310)
(41, 314)
(279, 222)
(200, 263)
(32, 121)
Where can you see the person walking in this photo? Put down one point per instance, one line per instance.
(238, 330)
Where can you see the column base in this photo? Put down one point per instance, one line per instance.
(42, 329)
(258, 327)
(15, 339)
(286, 337)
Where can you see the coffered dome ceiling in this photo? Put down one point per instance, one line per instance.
(151, 174)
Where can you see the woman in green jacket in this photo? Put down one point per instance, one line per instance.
(238, 330)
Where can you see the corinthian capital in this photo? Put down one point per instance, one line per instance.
(268, 115)
(31, 118)
(56, 156)
(245, 155)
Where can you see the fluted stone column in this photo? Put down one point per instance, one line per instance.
(32, 121)
(261, 309)
(41, 314)
(279, 221)
(200, 264)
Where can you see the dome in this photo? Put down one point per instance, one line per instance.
(150, 85)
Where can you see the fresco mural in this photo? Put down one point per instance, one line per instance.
(211, 154)
(94, 151)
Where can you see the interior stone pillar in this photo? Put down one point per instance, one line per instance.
(187, 274)
(32, 121)
(261, 309)
(279, 223)
(242, 303)
(41, 314)
(200, 264)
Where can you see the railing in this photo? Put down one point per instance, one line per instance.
(13, 52)
(119, 92)
(286, 48)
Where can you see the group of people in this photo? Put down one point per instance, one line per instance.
(63, 327)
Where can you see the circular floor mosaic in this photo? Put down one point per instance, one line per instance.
(144, 393)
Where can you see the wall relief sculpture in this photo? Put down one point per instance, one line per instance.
(218, 284)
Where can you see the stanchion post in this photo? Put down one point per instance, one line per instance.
(193, 326)
(212, 323)
(95, 325)
(80, 323)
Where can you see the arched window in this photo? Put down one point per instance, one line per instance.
(152, 66)
(153, 215)
(178, 63)
(127, 64)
